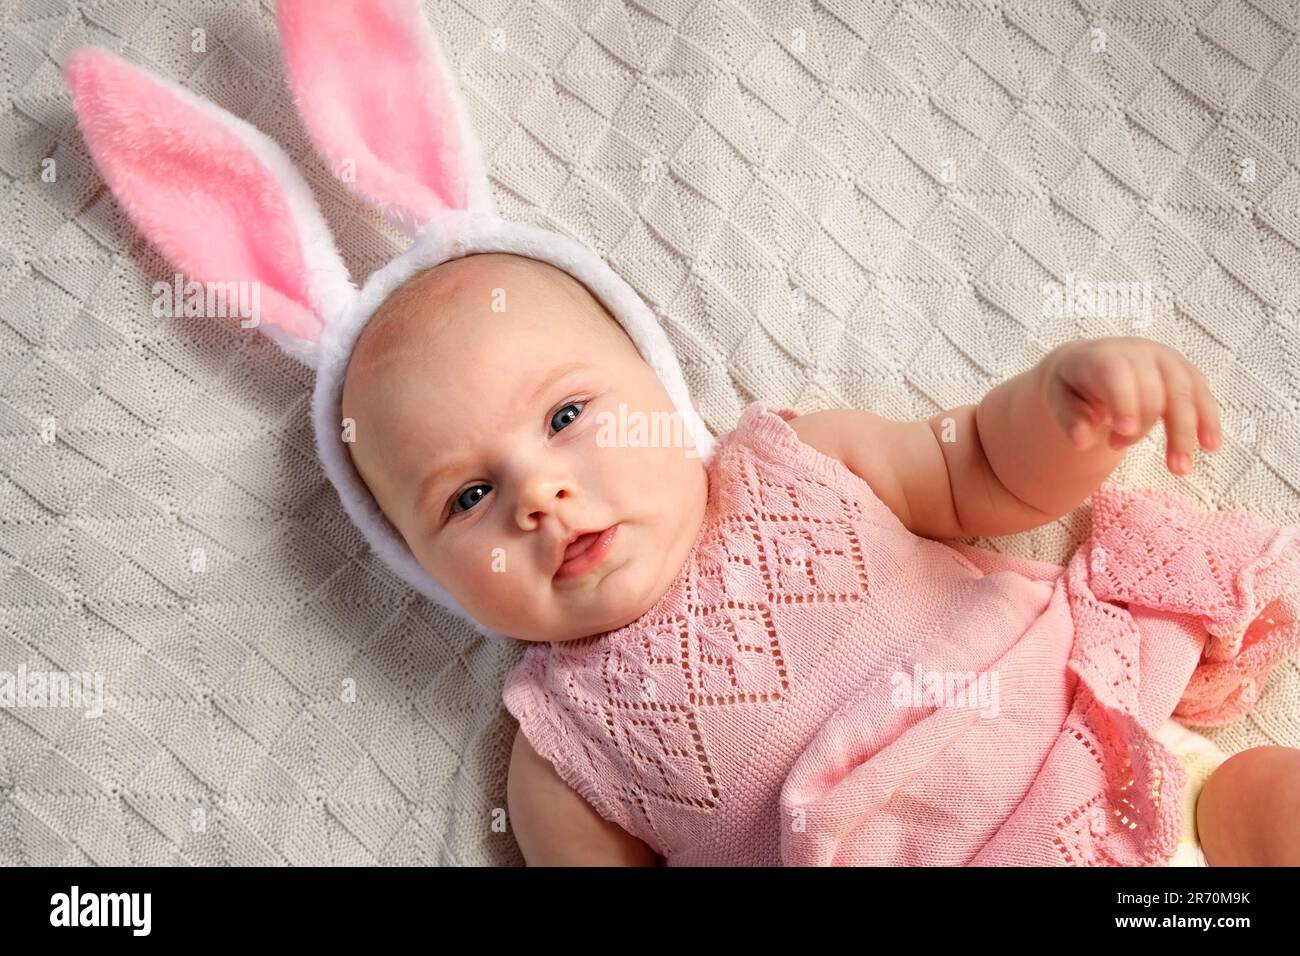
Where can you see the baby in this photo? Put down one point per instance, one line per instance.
(476, 390)
(752, 649)
(517, 336)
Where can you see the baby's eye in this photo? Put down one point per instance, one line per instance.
(563, 414)
(469, 498)
(472, 495)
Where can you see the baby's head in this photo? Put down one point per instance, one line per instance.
(455, 374)
(475, 390)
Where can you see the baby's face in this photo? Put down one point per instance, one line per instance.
(477, 393)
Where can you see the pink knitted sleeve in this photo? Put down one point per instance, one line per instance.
(1236, 571)
(526, 698)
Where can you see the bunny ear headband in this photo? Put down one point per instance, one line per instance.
(224, 203)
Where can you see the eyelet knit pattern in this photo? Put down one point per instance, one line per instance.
(820, 686)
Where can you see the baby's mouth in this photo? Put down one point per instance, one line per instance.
(581, 544)
(585, 552)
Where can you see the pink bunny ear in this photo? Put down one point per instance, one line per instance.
(217, 197)
(374, 91)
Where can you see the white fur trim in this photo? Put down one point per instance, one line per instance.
(453, 236)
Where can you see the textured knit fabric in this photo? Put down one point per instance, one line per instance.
(851, 204)
(771, 708)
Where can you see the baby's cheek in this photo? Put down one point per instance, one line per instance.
(656, 472)
(492, 579)
(644, 460)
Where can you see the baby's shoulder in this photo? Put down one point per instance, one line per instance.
(782, 433)
(819, 431)
(848, 451)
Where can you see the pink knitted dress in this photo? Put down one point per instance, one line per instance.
(821, 686)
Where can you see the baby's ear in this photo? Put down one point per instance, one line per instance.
(379, 102)
(213, 194)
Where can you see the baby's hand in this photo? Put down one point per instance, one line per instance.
(1122, 385)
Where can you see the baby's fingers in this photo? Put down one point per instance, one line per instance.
(1079, 419)
(1209, 429)
(1085, 424)
(1180, 419)
(1122, 395)
(1104, 379)
(1151, 400)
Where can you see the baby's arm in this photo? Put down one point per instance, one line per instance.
(1057, 432)
(1034, 448)
(554, 826)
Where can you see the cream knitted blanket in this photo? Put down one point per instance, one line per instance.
(842, 203)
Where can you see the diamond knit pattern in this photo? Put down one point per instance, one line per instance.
(831, 203)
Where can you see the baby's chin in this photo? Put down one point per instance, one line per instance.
(614, 601)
